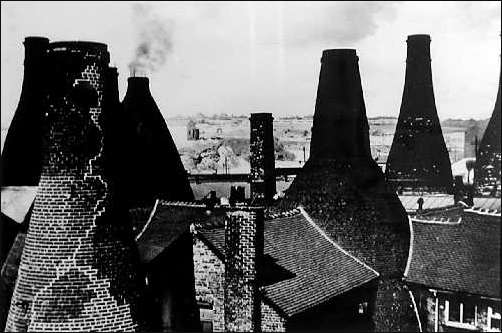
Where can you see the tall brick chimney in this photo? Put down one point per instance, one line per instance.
(23, 149)
(77, 269)
(154, 169)
(343, 188)
(418, 157)
(487, 170)
(244, 243)
(262, 158)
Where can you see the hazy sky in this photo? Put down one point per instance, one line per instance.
(242, 57)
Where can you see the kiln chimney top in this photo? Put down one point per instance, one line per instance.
(80, 45)
(32, 40)
(138, 83)
(337, 54)
(419, 37)
(261, 115)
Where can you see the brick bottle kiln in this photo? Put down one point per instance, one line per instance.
(343, 188)
(153, 158)
(76, 271)
(488, 156)
(22, 152)
(418, 158)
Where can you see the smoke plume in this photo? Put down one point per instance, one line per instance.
(154, 40)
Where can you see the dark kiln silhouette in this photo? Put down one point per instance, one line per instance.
(22, 152)
(488, 157)
(153, 167)
(418, 157)
(343, 188)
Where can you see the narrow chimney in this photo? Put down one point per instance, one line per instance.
(262, 158)
(23, 148)
(487, 171)
(86, 279)
(244, 243)
(418, 157)
(154, 169)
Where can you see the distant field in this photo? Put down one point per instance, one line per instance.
(295, 134)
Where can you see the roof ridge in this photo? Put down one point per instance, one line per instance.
(180, 203)
(287, 213)
(483, 211)
(437, 220)
(198, 204)
(410, 249)
(150, 218)
(316, 227)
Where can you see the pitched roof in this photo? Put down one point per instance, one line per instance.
(460, 256)
(320, 269)
(165, 225)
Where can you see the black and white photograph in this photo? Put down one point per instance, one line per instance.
(250, 166)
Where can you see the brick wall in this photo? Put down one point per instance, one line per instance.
(209, 271)
(262, 158)
(76, 269)
(271, 321)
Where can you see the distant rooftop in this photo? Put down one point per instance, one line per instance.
(461, 256)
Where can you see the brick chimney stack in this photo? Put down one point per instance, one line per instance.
(23, 148)
(262, 158)
(77, 269)
(244, 243)
(418, 157)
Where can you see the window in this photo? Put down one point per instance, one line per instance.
(460, 315)
(453, 311)
(207, 326)
(493, 319)
(363, 308)
(470, 316)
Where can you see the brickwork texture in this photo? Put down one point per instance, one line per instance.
(243, 253)
(209, 271)
(262, 158)
(76, 271)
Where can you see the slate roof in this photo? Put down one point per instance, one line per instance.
(320, 269)
(461, 257)
(165, 226)
(302, 267)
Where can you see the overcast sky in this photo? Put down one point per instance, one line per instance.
(242, 57)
